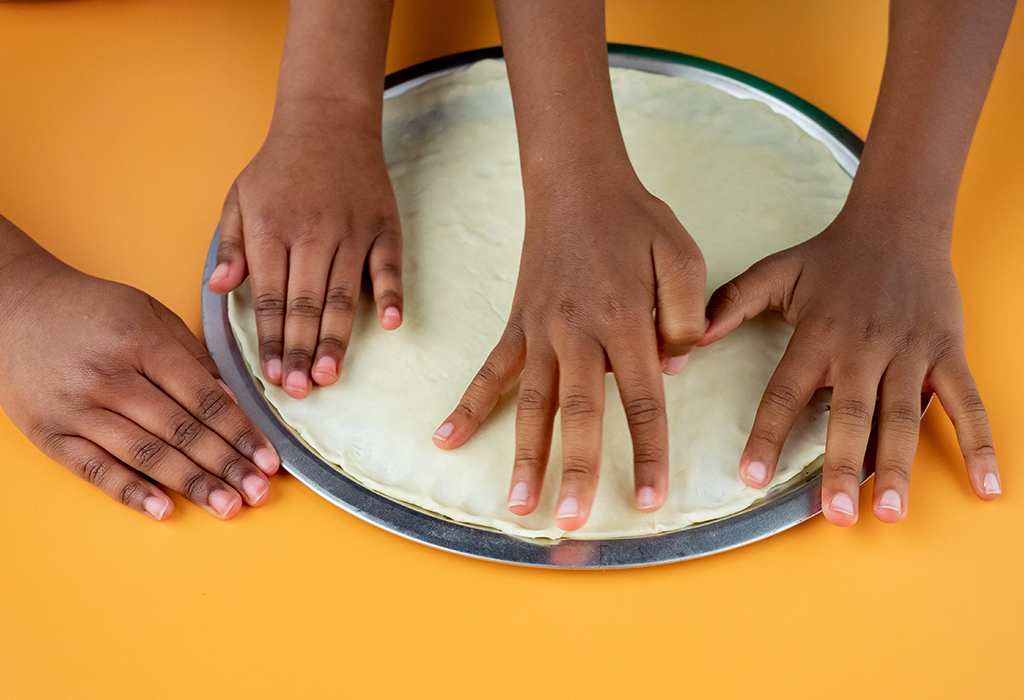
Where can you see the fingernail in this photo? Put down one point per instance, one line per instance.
(991, 484)
(326, 366)
(222, 502)
(707, 323)
(674, 365)
(444, 432)
(273, 371)
(757, 472)
(841, 503)
(519, 495)
(645, 498)
(219, 273)
(296, 383)
(890, 500)
(227, 390)
(568, 508)
(267, 460)
(155, 507)
(392, 317)
(255, 488)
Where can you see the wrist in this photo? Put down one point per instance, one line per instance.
(893, 224)
(579, 173)
(311, 112)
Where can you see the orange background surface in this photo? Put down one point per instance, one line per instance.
(122, 125)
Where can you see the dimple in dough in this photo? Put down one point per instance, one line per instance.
(744, 181)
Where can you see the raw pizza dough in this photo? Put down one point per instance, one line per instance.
(744, 181)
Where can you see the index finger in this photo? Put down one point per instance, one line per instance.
(185, 380)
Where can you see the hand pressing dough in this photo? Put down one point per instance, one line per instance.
(743, 180)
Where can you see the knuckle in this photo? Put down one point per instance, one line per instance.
(845, 469)
(270, 347)
(131, 492)
(268, 305)
(246, 439)
(730, 294)
(528, 460)
(767, 435)
(147, 452)
(95, 470)
(234, 469)
(332, 343)
(185, 429)
(487, 377)
(298, 358)
(647, 454)
(947, 347)
(578, 406)
(533, 404)
(195, 488)
(304, 306)
(781, 398)
(389, 269)
(210, 404)
(341, 298)
(851, 412)
(644, 410)
(982, 448)
(895, 469)
(902, 416)
(576, 470)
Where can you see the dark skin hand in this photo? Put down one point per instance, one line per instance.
(600, 254)
(315, 205)
(873, 300)
(107, 381)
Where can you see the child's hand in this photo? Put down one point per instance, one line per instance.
(594, 267)
(110, 383)
(877, 315)
(312, 208)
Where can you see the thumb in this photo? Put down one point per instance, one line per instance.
(681, 276)
(764, 285)
(231, 268)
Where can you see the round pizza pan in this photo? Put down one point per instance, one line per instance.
(783, 507)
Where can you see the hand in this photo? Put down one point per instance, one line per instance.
(107, 381)
(877, 315)
(302, 219)
(594, 266)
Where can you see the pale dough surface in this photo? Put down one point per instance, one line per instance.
(744, 181)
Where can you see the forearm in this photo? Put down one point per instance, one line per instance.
(558, 69)
(333, 63)
(939, 64)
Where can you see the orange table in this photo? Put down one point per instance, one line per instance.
(122, 124)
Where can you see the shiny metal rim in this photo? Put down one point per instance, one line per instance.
(789, 505)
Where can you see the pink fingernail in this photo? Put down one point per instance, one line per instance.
(890, 500)
(707, 323)
(267, 460)
(645, 498)
(156, 507)
(991, 485)
(222, 502)
(519, 495)
(674, 365)
(296, 383)
(254, 488)
(757, 472)
(568, 509)
(392, 317)
(326, 366)
(444, 432)
(219, 273)
(841, 503)
(227, 390)
(273, 371)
